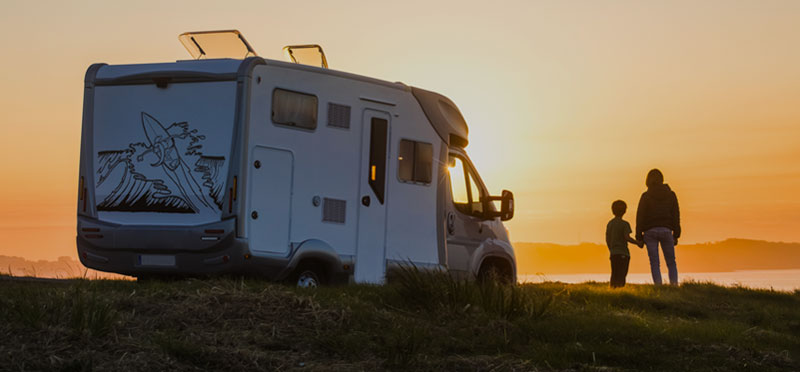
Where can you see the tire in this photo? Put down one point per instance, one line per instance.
(309, 276)
(492, 273)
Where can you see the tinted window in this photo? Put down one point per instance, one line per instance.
(423, 162)
(415, 161)
(294, 109)
(405, 159)
(377, 157)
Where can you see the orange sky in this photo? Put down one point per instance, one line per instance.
(569, 103)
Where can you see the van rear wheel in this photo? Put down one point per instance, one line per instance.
(309, 276)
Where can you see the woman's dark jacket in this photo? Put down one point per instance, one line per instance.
(658, 207)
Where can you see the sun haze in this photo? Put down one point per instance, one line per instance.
(569, 104)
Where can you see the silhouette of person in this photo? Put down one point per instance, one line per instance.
(618, 235)
(658, 222)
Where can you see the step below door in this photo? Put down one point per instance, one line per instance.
(270, 200)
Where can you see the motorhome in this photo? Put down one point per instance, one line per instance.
(233, 163)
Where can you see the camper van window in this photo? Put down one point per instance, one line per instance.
(405, 159)
(423, 162)
(294, 109)
(458, 186)
(415, 161)
(376, 173)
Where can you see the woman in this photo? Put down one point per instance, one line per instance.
(658, 221)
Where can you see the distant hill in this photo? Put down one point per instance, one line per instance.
(727, 255)
(533, 258)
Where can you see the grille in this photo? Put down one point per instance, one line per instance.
(338, 116)
(333, 210)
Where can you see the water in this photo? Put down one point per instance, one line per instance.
(781, 280)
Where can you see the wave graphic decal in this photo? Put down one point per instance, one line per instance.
(153, 175)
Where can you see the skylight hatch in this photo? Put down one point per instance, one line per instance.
(216, 44)
(309, 54)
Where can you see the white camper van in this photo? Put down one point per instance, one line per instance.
(281, 169)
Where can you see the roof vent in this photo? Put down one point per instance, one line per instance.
(334, 210)
(338, 116)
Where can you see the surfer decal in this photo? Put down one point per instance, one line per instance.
(155, 175)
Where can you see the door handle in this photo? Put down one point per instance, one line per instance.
(451, 223)
(365, 201)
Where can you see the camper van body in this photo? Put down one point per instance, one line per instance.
(257, 166)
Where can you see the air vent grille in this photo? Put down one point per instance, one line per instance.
(338, 116)
(333, 210)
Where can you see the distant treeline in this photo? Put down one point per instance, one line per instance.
(727, 255)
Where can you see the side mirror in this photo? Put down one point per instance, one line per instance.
(506, 206)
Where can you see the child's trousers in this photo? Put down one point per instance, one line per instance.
(619, 269)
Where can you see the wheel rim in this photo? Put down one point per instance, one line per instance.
(307, 279)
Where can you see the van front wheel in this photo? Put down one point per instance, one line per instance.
(495, 271)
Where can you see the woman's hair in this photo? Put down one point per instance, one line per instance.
(654, 178)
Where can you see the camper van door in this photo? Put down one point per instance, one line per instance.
(370, 266)
(270, 199)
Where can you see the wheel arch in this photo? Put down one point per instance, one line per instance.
(315, 252)
(496, 253)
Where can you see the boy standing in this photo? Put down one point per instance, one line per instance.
(618, 235)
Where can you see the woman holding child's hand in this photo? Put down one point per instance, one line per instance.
(658, 222)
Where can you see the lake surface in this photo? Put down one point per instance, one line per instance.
(781, 280)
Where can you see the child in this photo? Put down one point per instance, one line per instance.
(618, 235)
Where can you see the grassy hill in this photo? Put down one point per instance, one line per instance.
(727, 255)
(417, 322)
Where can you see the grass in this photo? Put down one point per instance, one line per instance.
(78, 307)
(420, 321)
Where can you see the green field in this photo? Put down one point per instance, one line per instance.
(417, 322)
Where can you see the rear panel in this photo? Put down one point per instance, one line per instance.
(161, 154)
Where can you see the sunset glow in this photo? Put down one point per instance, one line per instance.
(568, 104)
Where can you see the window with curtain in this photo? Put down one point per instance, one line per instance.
(294, 109)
